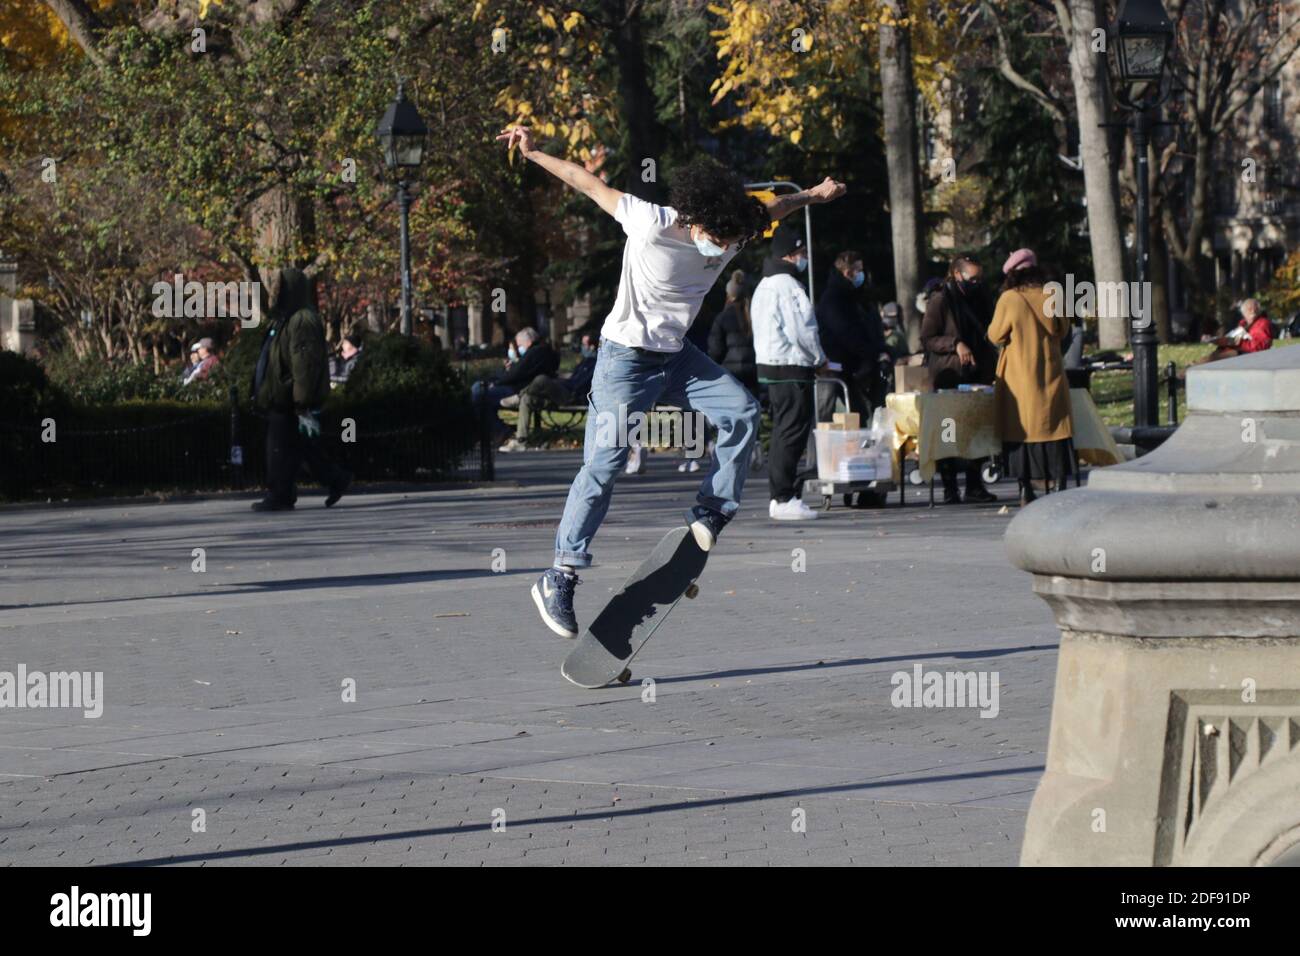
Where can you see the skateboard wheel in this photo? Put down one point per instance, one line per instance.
(692, 590)
(624, 677)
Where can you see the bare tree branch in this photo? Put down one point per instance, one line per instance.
(83, 26)
(1043, 98)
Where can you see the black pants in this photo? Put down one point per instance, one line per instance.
(948, 468)
(792, 411)
(286, 450)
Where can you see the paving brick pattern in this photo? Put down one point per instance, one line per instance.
(770, 705)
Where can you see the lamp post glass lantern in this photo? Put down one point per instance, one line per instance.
(401, 134)
(1137, 49)
(1139, 44)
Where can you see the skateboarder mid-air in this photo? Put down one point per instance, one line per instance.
(671, 259)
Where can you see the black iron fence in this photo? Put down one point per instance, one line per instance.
(149, 447)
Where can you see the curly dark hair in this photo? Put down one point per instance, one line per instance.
(709, 195)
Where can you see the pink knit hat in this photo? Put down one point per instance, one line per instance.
(1019, 260)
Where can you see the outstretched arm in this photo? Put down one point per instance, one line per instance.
(826, 191)
(571, 174)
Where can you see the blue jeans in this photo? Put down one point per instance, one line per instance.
(482, 391)
(629, 381)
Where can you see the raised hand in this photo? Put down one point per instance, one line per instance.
(518, 136)
(827, 190)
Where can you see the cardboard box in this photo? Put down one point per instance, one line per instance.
(849, 420)
(913, 378)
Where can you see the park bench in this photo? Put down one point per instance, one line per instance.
(552, 420)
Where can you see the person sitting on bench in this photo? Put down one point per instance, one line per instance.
(548, 390)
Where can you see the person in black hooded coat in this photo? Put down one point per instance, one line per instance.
(731, 340)
(852, 336)
(290, 385)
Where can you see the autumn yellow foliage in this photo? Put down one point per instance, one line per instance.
(783, 59)
(552, 91)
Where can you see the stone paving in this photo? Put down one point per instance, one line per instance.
(768, 736)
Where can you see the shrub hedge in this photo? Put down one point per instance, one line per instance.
(118, 430)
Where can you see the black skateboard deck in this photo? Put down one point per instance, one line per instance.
(632, 615)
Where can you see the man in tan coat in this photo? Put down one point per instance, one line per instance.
(1031, 394)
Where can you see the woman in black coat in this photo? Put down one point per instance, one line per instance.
(954, 334)
(731, 340)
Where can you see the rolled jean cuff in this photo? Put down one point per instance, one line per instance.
(573, 559)
(714, 503)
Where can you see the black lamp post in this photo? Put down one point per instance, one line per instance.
(1137, 47)
(401, 134)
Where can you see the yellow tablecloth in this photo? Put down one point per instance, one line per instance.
(939, 425)
(1092, 438)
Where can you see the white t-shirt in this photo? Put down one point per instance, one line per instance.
(664, 278)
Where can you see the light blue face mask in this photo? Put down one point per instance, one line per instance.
(801, 263)
(708, 248)
(858, 279)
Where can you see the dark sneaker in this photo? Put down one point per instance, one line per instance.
(553, 595)
(706, 524)
(338, 489)
(979, 494)
(266, 504)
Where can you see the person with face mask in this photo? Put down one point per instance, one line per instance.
(852, 336)
(672, 257)
(534, 357)
(550, 390)
(954, 335)
(790, 356)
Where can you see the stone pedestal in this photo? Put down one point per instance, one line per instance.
(1175, 581)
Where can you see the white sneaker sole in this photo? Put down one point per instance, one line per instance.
(703, 537)
(554, 625)
(794, 517)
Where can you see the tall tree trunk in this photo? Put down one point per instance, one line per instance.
(282, 223)
(898, 93)
(644, 134)
(1078, 19)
